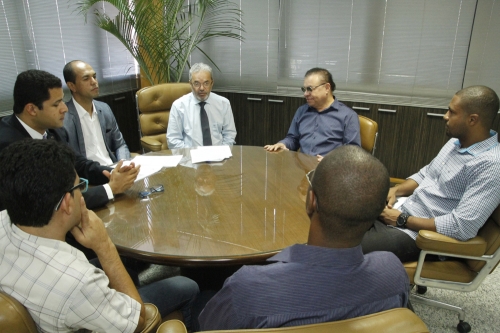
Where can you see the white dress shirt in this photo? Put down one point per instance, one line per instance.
(184, 124)
(92, 135)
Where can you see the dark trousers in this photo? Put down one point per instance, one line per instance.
(381, 237)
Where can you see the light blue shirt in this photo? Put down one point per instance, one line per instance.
(460, 188)
(184, 125)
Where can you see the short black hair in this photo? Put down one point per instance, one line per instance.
(351, 187)
(69, 73)
(32, 86)
(480, 100)
(34, 175)
(327, 76)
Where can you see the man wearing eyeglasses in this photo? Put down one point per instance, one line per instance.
(200, 118)
(329, 278)
(39, 113)
(322, 124)
(61, 289)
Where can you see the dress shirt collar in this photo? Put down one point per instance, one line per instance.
(197, 101)
(81, 111)
(321, 256)
(479, 147)
(34, 134)
(333, 107)
(14, 231)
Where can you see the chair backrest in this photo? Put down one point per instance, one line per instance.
(153, 109)
(490, 232)
(369, 132)
(400, 320)
(14, 318)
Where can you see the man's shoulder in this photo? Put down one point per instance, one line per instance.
(219, 98)
(184, 99)
(10, 133)
(102, 106)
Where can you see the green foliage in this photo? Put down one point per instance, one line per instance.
(161, 34)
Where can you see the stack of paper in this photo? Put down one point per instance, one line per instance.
(152, 164)
(210, 154)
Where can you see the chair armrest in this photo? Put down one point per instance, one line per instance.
(433, 241)
(172, 326)
(396, 180)
(150, 144)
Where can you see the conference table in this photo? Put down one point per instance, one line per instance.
(242, 210)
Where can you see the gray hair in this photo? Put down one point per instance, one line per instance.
(199, 67)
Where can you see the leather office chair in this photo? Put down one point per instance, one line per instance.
(368, 130)
(466, 266)
(153, 109)
(14, 318)
(399, 320)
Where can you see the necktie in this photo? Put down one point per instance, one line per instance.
(205, 126)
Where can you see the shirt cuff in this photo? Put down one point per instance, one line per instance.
(108, 191)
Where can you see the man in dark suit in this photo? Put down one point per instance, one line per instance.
(91, 125)
(39, 114)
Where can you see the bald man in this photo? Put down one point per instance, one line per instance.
(454, 194)
(328, 278)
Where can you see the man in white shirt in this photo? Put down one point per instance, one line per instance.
(61, 289)
(200, 118)
(92, 128)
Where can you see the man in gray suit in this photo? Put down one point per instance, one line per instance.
(91, 125)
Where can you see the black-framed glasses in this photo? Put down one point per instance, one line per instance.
(310, 89)
(83, 185)
(151, 190)
(205, 84)
(309, 177)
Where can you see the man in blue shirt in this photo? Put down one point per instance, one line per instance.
(328, 278)
(322, 124)
(456, 193)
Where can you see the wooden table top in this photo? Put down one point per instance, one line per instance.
(240, 211)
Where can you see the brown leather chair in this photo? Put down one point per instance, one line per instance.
(399, 320)
(368, 130)
(466, 266)
(14, 318)
(153, 109)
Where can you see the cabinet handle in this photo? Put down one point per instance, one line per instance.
(362, 108)
(435, 114)
(387, 110)
(119, 98)
(275, 100)
(254, 99)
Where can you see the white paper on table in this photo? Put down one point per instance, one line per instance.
(210, 154)
(152, 164)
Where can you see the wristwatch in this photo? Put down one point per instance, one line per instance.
(402, 220)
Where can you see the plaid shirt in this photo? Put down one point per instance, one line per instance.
(62, 291)
(460, 188)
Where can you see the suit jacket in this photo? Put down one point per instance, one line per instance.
(113, 138)
(11, 131)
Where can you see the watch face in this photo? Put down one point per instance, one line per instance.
(401, 220)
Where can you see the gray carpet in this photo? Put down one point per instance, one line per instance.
(482, 308)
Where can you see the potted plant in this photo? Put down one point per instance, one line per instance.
(161, 34)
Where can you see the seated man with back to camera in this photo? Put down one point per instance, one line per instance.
(200, 118)
(62, 291)
(328, 278)
(454, 194)
(39, 113)
(322, 124)
(92, 128)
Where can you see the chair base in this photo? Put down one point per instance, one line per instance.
(462, 327)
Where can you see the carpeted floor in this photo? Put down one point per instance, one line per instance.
(482, 307)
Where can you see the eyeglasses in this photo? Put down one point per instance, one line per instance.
(83, 185)
(205, 84)
(309, 177)
(310, 89)
(151, 190)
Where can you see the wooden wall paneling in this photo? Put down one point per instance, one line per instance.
(276, 117)
(433, 135)
(256, 126)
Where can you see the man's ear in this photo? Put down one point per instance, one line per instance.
(473, 119)
(311, 203)
(71, 86)
(31, 109)
(66, 204)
